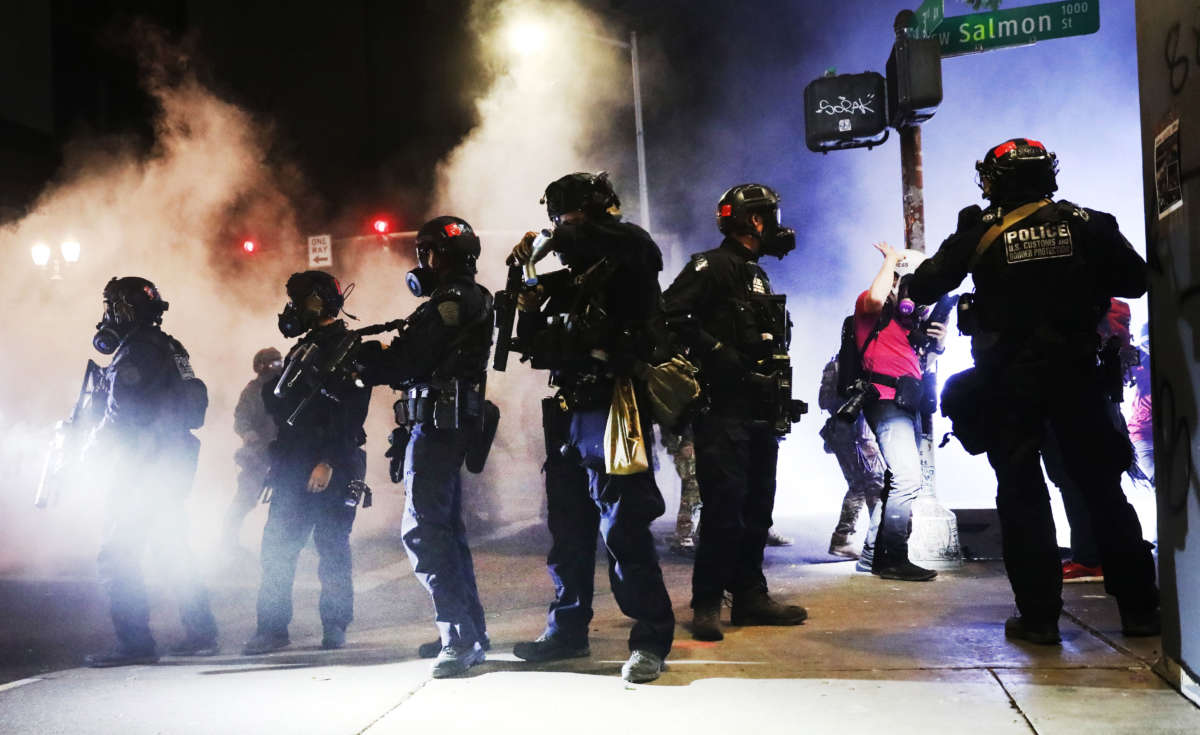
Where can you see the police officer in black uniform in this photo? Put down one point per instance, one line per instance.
(591, 331)
(145, 454)
(1044, 274)
(725, 314)
(314, 461)
(440, 362)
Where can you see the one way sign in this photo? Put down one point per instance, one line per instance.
(320, 251)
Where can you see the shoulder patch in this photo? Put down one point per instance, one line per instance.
(449, 312)
(699, 262)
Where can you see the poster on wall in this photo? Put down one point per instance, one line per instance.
(1168, 188)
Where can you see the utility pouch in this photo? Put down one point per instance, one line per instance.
(963, 403)
(624, 444)
(480, 443)
(908, 393)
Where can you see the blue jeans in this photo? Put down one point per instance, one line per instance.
(896, 431)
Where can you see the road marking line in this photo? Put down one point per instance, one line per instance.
(18, 683)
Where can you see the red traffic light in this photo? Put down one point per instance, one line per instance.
(381, 225)
(249, 246)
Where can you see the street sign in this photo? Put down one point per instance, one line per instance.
(320, 251)
(927, 18)
(968, 34)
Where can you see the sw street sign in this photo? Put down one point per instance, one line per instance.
(927, 18)
(967, 34)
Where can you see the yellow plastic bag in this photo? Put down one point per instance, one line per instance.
(624, 443)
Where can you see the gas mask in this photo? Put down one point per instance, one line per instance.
(116, 323)
(423, 279)
(295, 321)
(776, 240)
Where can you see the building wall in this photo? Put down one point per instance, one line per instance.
(1168, 39)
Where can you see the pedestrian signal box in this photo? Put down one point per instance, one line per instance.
(845, 111)
(914, 80)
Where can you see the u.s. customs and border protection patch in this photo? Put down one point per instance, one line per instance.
(1041, 241)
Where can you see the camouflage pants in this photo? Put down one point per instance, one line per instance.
(683, 452)
(862, 465)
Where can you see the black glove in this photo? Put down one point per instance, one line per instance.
(969, 217)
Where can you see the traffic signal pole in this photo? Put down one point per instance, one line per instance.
(912, 183)
(934, 537)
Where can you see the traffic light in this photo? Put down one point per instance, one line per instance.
(845, 111)
(914, 81)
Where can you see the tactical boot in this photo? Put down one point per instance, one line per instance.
(1141, 624)
(550, 648)
(906, 571)
(1043, 634)
(120, 657)
(431, 649)
(757, 608)
(263, 642)
(642, 666)
(456, 660)
(193, 646)
(706, 622)
(333, 638)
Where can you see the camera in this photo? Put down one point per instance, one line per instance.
(357, 491)
(860, 394)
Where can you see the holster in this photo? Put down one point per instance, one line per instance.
(556, 426)
(479, 443)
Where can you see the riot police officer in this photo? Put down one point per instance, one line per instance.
(315, 461)
(145, 455)
(591, 332)
(1044, 274)
(256, 428)
(440, 362)
(727, 317)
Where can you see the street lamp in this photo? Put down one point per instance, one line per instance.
(41, 254)
(527, 36)
(70, 250)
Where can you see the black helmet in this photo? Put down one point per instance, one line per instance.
(591, 194)
(735, 208)
(444, 245)
(133, 300)
(736, 205)
(451, 239)
(128, 302)
(296, 318)
(325, 286)
(1016, 169)
(265, 358)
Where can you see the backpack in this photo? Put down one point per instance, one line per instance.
(189, 394)
(849, 357)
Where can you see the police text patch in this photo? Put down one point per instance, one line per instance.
(1038, 242)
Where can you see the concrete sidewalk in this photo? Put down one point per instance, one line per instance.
(875, 656)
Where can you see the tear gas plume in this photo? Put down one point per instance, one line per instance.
(560, 102)
(162, 214)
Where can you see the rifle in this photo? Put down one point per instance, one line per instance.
(340, 368)
(62, 458)
(506, 316)
(521, 276)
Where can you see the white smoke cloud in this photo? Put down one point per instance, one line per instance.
(164, 215)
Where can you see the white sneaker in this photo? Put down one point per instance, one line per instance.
(642, 666)
(455, 660)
